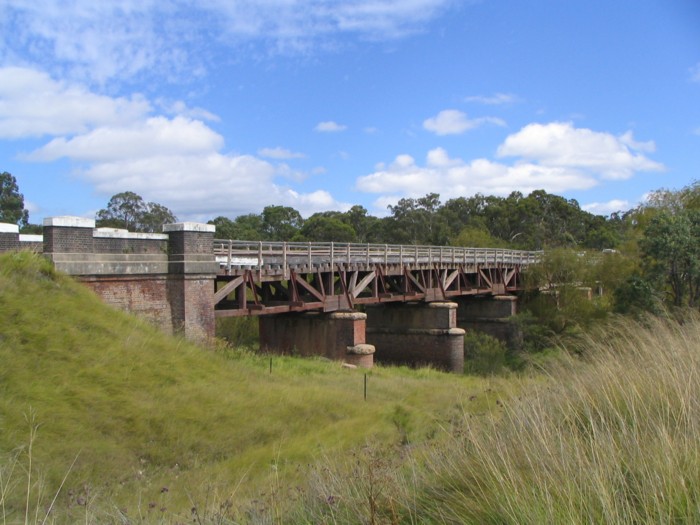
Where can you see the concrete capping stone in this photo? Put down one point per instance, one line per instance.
(116, 233)
(69, 222)
(28, 237)
(505, 298)
(352, 316)
(361, 349)
(8, 228)
(449, 305)
(189, 227)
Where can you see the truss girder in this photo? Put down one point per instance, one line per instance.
(343, 287)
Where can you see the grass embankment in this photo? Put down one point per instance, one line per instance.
(611, 438)
(159, 426)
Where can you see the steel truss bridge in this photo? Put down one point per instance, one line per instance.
(260, 278)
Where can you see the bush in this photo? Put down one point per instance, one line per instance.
(484, 355)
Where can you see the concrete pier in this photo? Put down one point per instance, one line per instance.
(339, 336)
(417, 334)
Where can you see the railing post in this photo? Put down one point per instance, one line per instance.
(401, 255)
(367, 255)
(230, 250)
(285, 269)
(309, 256)
(332, 256)
(347, 262)
(386, 255)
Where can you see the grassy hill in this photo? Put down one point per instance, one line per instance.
(152, 422)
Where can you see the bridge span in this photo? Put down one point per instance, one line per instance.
(263, 278)
(348, 302)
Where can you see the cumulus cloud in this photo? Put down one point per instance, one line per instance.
(560, 144)
(329, 126)
(555, 157)
(33, 105)
(115, 144)
(178, 136)
(496, 99)
(280, 153)
(120, 39)
(455, 122)
(452, 177)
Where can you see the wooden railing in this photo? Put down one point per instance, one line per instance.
(283, 255)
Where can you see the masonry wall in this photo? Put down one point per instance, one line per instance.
(492, 315)
(145, 296)
(167, 278)
(339, 336)
(416, 334)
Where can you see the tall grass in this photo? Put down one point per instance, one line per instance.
(610, 437)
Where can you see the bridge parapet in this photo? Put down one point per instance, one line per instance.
(274, 258)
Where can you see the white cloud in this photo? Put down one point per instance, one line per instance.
(329, 126)
(115, 145)
(555, 157)
(606, 208)
(119, 39)
(454, 122)
(181, 109)
(156, 135)
(33, 105)
(560, 144)
(452, 177)
(280, 153)
(496, 99)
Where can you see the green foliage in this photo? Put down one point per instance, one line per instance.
(12, 209)
(280, 223)
(484, 355)
(472, 236)
(636, 296)
(416, 221)
(326, 227)
(239, 332)
(129, 211)
(671, 254)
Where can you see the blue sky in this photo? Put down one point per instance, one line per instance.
(222, 107)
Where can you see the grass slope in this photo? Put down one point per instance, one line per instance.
(159, 425)
(611, 437)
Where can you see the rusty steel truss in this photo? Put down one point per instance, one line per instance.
(260, 278)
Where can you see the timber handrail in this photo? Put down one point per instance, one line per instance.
(256, 254)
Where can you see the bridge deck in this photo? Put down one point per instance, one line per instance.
(271, 259)
(260, 278)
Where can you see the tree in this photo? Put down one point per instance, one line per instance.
(322, 228)
(416, 221)
(247, 227)
(12, 202)
(128, 210)
(280, 223)
(671, 254)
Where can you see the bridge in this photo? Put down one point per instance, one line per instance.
(348, 302)
(262, 278)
